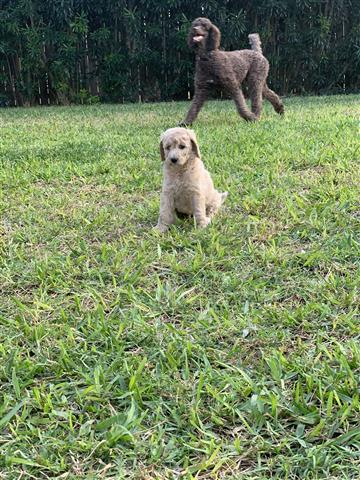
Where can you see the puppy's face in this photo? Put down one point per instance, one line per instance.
(178, 146)
(203, 35)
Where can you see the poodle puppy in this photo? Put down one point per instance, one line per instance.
(227, 70)
(187, 185)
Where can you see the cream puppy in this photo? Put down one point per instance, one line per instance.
(187, 185)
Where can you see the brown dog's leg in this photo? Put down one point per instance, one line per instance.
(273, 99)
(198, 101)
(256, 94)
(241, 106)
(256, 102)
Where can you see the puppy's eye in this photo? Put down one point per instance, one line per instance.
(167, 147)
(182, 147)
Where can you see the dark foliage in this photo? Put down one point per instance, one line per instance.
(84, 51)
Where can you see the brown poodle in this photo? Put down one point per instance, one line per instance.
(218, 69)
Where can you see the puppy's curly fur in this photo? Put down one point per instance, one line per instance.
(187, 185)
(228, 70)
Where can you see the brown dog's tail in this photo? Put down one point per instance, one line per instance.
(255, 42)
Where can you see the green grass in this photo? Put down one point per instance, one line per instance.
(231, 352)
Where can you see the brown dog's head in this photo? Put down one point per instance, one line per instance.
(204, 35)
(178, 146)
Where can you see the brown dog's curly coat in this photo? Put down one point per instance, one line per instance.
(218, 69)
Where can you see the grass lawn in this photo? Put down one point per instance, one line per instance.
(230, 352)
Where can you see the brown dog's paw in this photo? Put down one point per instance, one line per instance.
(251, 117)
(184, 124)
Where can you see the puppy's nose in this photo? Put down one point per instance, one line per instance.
(173, 159)
(197, 28)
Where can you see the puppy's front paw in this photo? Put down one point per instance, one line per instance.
(203, 222)
(161, 228)
(224, 196)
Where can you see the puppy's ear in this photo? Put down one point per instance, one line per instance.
(194, 144)
(214, 37)
(162, 151)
